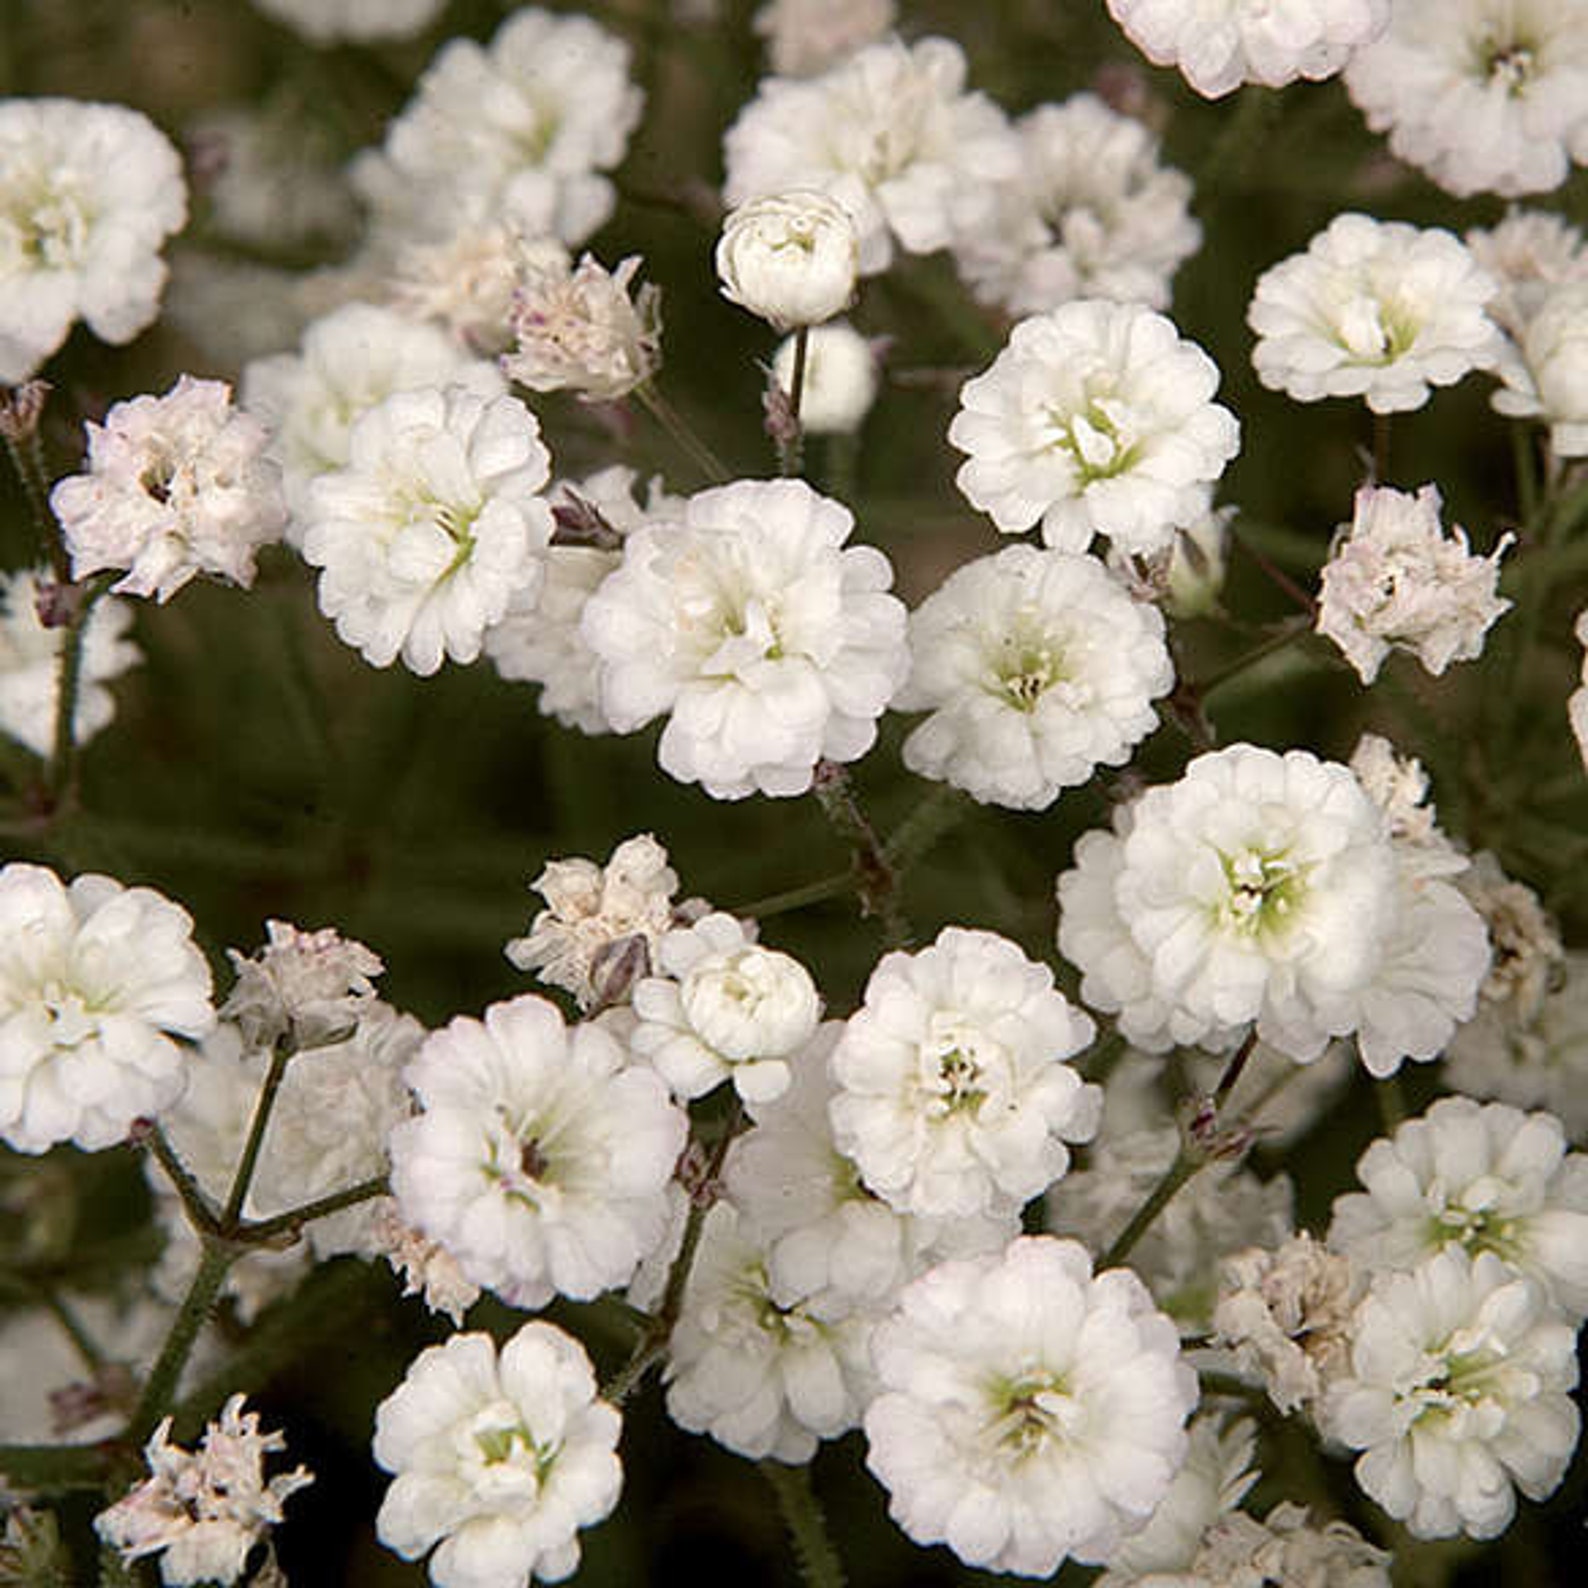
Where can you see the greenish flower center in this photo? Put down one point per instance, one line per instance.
(1264, 886)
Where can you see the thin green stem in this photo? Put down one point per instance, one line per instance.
(875, 880)
(19, 413)
(680, 431)
(280, 1056)
(262, 1230)
(797, 898)
(82, 1341)
(941, 811)
(52, 1468)
(1232, 1070)
(1295, 629)
(802, 1514)
(62, 778)
(215, 1259)
(200, 1212)
(791, 451)
(1187, 1161)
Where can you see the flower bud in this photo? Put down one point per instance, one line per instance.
(790, 257)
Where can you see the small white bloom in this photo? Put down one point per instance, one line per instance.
(30, 662)
(1396, 581)
(840, 378)
(806, 36)
(1399, 787)
(1037, 668)
(1485, 96)
(88, 193)
(1548, 377)
(768, 645)
(1528, 253)
(518, 131)
(433, 528)
(1481, 1176)
(578, 329)
(176, 486)
(1090, 214)
(498, 1460)
(764, 1375)
(1373, 309)
(1220, 44)
(202, 1513)
(541, 1159)
(1285, 1548)
(1096, 419)
(1459, 1388)
(1287, 1315)
(1030, 1411)
(350, 360)
(427, 1268)
(723, 1006)
(325, 21)
(92, 978)
(953, 1098)
(790, 257)
(890, 133)
(1528, 957)
(594, 914)
(314, 985)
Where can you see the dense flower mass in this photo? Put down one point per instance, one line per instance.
(498, 1459)
(767, 644)
(88, 194)
(1030, 1411)
(95, 980)
(1096, 419)
(1037, 668)
(1221, 45)
(1373, 309)
(176, 486)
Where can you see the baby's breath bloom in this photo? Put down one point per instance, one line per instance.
(1037, 668)
(95, 979)
(1220, 44)
(30, 666)
(1528, 253)
(1528, 956)
(176, 486)
(1394, 580)
(499, 1460)
(1485, 96)
(840, 378)
(88, 194)
(1373, 309)
(1459, 1393)
(1089, 214)
(1547, 376)
(467, 281)
(203, 1512)
(890, 133)
(806, 36)
(1096, 419)
(578, 329)
(767, 643)
(790, 257)
(427, 1268)
(326, 21)
(1030, 1411)
(434, 526)
(313, 985)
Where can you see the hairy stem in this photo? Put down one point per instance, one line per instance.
(818, 1561)
(680, 431)
(875, 880)
(159, 1390)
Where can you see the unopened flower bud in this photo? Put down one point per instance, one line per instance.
(790, 257)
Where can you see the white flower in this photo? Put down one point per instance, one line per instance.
(890, 133)
(1285, 1548)
(1037, 668)
(1090, 214)
(325, 21)
(1030, 1411)
(30, 662)
(1481, 1176)
(840, 378)
(790, 257)
(953, 1098)
(518, 131)
(88, 193)
(595, 914)
(498, 1461)
(434, 526)
(541, 1160)
(1485, 96)
(1287, 1315)
(721, 1006)
(766, 1375)
(176, 486)
(350, 360)
(577, 329)
(1394, 580)
(1374, 309)
(1459, 1389)
(426, 1267)
(204, 1511)
(1547, 379)
(1220, 44)
(768, 645)
(92, 978)
(1213, 1480)
(806, 36)
(313, 985)
(1096, 419)
(1399, 787)
(1529, 958)
(1528, 253)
